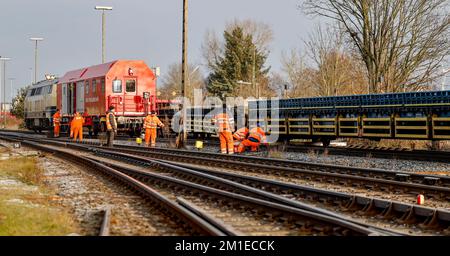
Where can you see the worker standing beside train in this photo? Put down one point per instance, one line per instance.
(56, 123)
(255, 138)
(151, 123)
(225, 125)
(77, 128)
(239, 136)
(71, 126)
(111, 126)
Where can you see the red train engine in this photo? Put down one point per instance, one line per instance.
(127, 85)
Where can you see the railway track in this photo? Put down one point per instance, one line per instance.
(357, 151)
(402, 213)
(434, 186)
(187, 221)
(266, 212)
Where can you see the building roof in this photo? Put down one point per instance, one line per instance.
(87, 73)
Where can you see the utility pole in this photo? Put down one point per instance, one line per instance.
(183, 136)
(3, 105)
(11, 88)
(103, 9)
(36, 39)
(254, 73)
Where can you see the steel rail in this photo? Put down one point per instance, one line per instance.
(190, 173)
(339, 176)
(388, 209)
(319, 221)
(185, 217)
(106, 220)
(370, 178)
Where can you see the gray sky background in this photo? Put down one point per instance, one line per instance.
(135, 29)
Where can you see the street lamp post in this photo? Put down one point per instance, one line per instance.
(4, 60)
(36, 39)
(103, 9)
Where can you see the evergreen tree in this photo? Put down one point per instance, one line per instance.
(239, 57)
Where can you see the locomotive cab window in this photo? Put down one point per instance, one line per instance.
(50, 87)
(117, 86)
(86, 87)
(102, 84)
(94, 86)
(130, 86)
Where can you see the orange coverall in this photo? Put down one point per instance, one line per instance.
(56, 123)
(71, 128)
(77, 127)
(253, 141)
(151, 122)
(240, 135)
(225, 125)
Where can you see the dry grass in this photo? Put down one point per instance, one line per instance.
(24, 169)
(12, 122)
(276, 152)
(312, 154)
(407, 144)
(26, 208)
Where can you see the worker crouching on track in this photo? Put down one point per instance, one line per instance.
(111, 126)
(77, 127)
(225, 123)
(255, 138)
(56, 123)
(151, 123)
(239, 136)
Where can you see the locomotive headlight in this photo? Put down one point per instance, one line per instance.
(121, 120)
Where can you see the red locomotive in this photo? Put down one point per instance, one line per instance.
(127, 85)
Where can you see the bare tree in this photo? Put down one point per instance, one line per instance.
(336, 69)
(403, 43)
(326, 67)
(171, 82)
(294, 68)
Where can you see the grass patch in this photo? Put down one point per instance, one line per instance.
(26, 208)
(24, 169)
(24, 219)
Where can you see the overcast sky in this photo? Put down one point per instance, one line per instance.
(135, 29)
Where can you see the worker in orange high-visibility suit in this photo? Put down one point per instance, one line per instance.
(77, 127)
(225, 125)
(151, 123)
(255, 138)
(239, 136)
(56, 123)
(71, 127)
